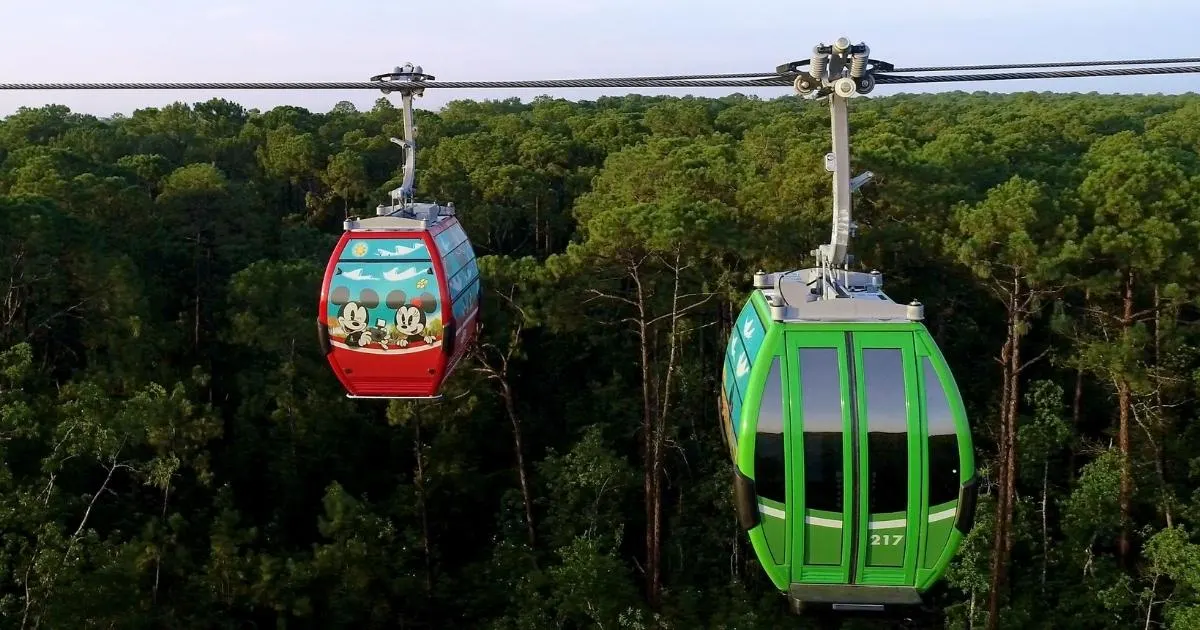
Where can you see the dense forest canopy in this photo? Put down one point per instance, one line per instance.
(176, 452)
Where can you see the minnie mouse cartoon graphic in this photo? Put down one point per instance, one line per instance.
(412, 316)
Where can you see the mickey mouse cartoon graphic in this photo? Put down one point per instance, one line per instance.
(352, 316)
(411, 317)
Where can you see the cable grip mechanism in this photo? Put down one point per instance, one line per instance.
(841, 68)
(394, 81)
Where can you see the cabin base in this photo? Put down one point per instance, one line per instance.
(903, 606)
(843, 598)
(855, 595)
(383, 397)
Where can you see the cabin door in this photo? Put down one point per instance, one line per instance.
(854, 422)
(889, 456)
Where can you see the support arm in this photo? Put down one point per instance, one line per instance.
(403, 196)
(838, 162)
(410, 149)
(838, 72)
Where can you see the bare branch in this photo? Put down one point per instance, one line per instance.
(104, 486)
(1033, 360)
(699, 327)
(679, 312)
(597, 295)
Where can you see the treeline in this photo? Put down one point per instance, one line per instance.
(176, 452)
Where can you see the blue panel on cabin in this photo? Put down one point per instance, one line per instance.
(734, 350)
(457, 258)
(735, 414)
(463, 279)
(750, 329)
(733, 397)
(466, 302)
(461, 269)
(460, 259)
(727, 376)
(450, 237)
(739, 361)
(385, 250)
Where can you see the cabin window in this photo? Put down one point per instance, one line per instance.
(769, 468)
(821, 401)
(887, 426)
(943, 440)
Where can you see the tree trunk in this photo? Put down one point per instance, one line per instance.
(1010, 436)
(1077, 403)
(419, 482)
(1010, 358)
(1045, 524)
(660, 428)
(1160, 414)
(519, 446)
(196, 307)
(997, 563)
(652, 501)
(1124, 401)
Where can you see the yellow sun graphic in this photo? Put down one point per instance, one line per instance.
(360, 249)
(422, 283)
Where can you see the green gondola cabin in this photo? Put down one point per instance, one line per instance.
(854, 471)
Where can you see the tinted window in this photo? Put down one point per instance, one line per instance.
(768, 442)
(887, 423)
(821, 400)
(943, 442)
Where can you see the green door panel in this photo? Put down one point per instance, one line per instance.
(763, 455)
(949, 460)
(819, 437)
(890, 456)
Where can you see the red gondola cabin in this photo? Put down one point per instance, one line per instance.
(399, 303)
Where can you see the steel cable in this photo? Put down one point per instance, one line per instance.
(398, 86)
(886, 79)
(1050, 64)
(765, 79)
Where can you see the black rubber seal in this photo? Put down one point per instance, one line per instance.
(745, 498)
(968, 494)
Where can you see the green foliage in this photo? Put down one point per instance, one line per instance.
(174, 451)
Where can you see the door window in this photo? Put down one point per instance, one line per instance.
(887, 426)
(769, 470)
(821, 402)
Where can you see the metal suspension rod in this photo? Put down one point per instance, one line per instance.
(838, 162)
(402, 197)
(410, 148)
(842, 74)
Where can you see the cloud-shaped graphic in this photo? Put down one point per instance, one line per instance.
(395, 275)
(401, 250)
(743, 366)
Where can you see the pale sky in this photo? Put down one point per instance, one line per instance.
(351, 40)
